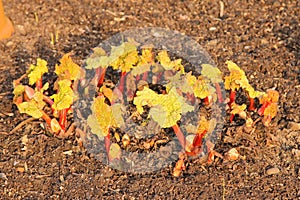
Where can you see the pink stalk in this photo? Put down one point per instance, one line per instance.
(122, 82)
(219, 93)
(102, 76)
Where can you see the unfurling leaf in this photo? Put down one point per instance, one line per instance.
(114, 151)
(166, 62)
(64, 98)
(272, 96)
(237, 78)
(212, 73)
(203, 125)
(124, 57)
(147, 57)
(36, 71)
(201, 86)
(67, 68)
(107, 92)
(34, 106)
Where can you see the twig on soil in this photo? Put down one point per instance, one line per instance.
(221, 9)
(19, 126)
(4, 93)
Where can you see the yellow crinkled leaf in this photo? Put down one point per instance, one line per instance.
(107, 92)
(124, 57)
(203, 125)
(254, 93)
(36, 71)
(166, 62)
(271, 110)
(126, 62)
(147, 56)
(166, 109)
(234, 67)
(114, 151)
(272, 96)
(95, 127)
(212, 73)
(236, 109)
(34, 106)
(30, 108)
(102, 117)
(64, 98)
(96, 62)
(201, 86)
(18, 91)
(237, 78)
(180, 81)
(67, 68)
(117, 110)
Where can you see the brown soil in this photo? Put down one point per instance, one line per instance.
(263, 38)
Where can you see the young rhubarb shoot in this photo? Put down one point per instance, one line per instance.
(36, 72)
(201, 88)
(252, 95)
(215, 76)
(67, 69)
(269, 106)
(99, 61)
(237, 79)
(63, 100)
(195, 147)
(239, 110)
(101, 120)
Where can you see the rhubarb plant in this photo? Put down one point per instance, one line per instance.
(156, 89)
(33, 101)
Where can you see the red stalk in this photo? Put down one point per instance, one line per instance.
(261, 110)
(102, 76)
(138, 77)
(231, 118)
(107, 144)
(48, 100)
(206, 101)
(63, 118)
(252, 104)
(179, 135)
(191, 98)
(39, 84)
(46, 118)
(231, 97)
(197, 142)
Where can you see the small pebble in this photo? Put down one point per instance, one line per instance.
(3, 176)
(294, 126)
(273, 170)
(21, 29)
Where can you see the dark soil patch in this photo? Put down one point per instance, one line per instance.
(261, 37)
